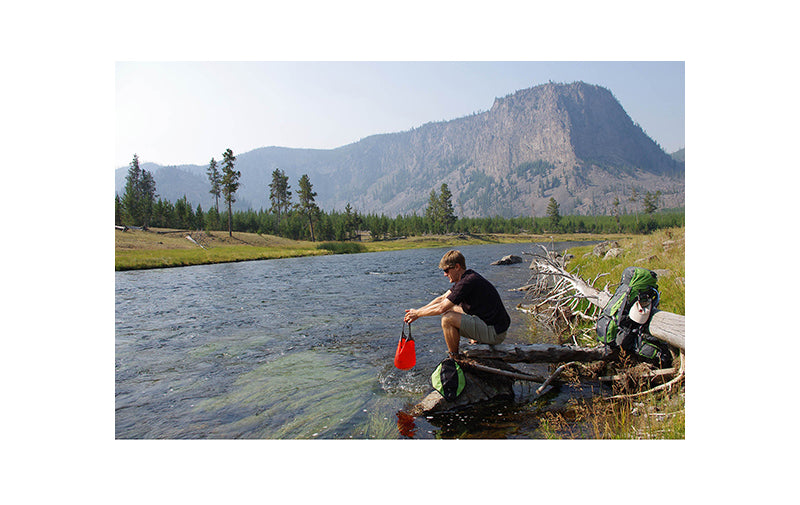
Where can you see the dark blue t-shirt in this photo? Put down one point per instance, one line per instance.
(479, 298)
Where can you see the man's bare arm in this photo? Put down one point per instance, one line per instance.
(437, 306)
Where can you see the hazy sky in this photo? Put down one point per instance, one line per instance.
(189, 112)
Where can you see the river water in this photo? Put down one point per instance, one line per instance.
(302, 348)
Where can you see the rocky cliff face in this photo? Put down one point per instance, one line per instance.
(573, 142)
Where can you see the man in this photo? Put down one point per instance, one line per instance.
(471, 308)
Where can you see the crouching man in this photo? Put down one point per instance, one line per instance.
(471, 308)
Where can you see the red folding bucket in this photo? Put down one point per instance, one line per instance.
(405, 357)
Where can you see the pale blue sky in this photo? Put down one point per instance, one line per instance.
(189, 112)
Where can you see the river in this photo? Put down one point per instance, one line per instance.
(302, 348)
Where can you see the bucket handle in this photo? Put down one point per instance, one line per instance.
(403, 333)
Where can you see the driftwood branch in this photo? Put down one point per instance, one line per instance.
(553, 291)
(471, 363)
(650, 375)
(554, 375)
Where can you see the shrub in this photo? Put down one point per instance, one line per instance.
(343, 247)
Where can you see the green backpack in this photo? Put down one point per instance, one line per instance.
(614, 325)
(448, 379)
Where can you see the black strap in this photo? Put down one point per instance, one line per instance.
(403, 333)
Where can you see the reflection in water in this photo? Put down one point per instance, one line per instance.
(406, 425)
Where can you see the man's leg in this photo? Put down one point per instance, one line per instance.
(451, 322)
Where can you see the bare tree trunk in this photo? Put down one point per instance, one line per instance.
(230, 216)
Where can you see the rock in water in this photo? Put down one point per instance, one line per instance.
(508, 260)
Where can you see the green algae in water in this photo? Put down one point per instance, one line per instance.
(303, 395)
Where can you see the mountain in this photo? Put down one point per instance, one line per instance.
(573, 142)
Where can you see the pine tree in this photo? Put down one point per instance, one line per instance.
(352, 221)
(650, 202)
(230, 183)
(148, 197)
(279, 193)
(215, 178)
(130, 198)
(139, 197)
(117, 210)
(447, 216)
(307, 207)
(199, 218)
(183, 213)
(553, 212)
(433, 210)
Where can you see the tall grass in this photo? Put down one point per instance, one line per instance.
(657, 416)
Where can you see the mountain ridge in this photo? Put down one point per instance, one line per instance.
(572, 142)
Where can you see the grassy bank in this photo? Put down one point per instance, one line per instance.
(162, 248)
(662, 251)
(659, 415)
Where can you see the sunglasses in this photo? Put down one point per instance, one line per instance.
(445, 270)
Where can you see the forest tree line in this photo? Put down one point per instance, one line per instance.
(304, 220)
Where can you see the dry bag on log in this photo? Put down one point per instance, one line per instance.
(405, 356)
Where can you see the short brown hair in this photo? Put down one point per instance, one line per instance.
(452, 258)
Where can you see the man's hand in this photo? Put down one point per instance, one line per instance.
(436, 307)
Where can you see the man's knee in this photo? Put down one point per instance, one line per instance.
(451, 319)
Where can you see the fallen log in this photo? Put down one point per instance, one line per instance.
(669, 327)
(538, 353)
(190, 239)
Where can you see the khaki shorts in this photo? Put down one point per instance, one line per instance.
(473, 327)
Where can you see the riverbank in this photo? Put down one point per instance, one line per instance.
(163, 248)
(660, 415)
